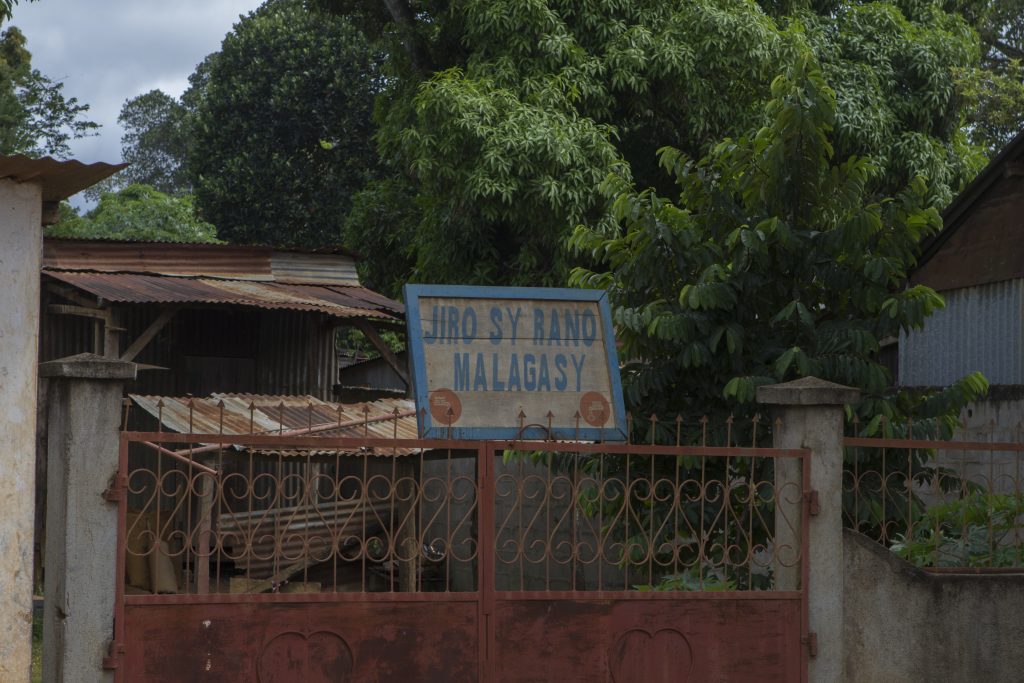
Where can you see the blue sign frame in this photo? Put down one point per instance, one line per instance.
(429, 429)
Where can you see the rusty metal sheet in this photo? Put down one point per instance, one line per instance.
(59, 179)
(239, 414)
(139, 288)
(353, 297)
(649, 641)
(240, 262)
(314, 641)
(294, 266)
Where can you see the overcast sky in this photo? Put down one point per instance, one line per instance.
(109, 50)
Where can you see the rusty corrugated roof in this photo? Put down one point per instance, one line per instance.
(240, 414)
(159, 258)
(341, 302)
(59, 179)
(132, 272)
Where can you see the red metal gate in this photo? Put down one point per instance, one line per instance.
(300, 558)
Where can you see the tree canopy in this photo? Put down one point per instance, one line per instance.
(35, 116)
(137, 212)
(995, 88)
(503, 117)
(281, 135)
(773, 261)
(155, 142)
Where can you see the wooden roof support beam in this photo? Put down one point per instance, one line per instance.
(148, 334)
(385, 351)
(63, 309)
(72, 295)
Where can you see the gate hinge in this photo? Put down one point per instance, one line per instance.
(811, 641)
(812, 503)
(114, 654)
(115, 492)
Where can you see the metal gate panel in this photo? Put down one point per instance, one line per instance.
(674, 640)
(532, 606)
(308, 641)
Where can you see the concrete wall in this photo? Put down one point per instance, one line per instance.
(20, 254)
(903, 624)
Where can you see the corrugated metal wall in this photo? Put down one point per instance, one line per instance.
(265, 352)
(980, 329)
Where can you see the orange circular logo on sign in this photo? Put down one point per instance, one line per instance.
(445, 406)
(595, 409)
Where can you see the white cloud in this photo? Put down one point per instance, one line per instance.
(108, 51)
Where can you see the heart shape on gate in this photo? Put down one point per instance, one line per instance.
(640, 656)
(319, 657)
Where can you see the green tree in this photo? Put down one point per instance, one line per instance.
(502, 117)
(35, 116)
(155, 142)
(138, 212)
(775, 261)
(282, 132)
(994, 89)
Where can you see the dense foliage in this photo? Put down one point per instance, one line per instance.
(281, 134)
(775, 261)
(503, 117)
(137, 212)
(994, 90)
(155, 142)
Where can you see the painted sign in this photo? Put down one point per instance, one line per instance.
(508, 363)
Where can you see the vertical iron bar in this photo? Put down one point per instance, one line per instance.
(486, 549)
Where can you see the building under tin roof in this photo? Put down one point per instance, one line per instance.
(211, 318)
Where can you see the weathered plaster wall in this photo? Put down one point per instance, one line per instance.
(903, 624)
(81, 526)
(20, 253)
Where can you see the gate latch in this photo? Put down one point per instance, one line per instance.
(115, 492)
(114, 654)
(811, 497)
(811, 641)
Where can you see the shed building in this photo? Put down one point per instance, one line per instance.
(977, 264)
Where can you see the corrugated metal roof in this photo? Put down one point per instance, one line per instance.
(255, 414)
(328, 269)
(59, 179)
(189, 260)
(342, 302)
(231, 261)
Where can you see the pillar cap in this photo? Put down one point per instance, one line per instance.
(88, 366)
(807, 391)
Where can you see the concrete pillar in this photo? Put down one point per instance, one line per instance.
(20, 254)
(810, 413)
(81, 525)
